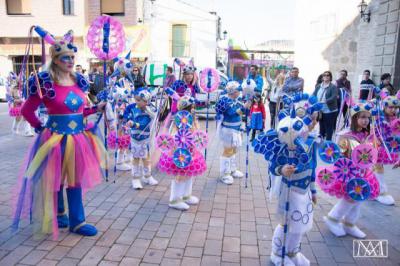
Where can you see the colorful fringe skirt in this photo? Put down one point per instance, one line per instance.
(55, 160)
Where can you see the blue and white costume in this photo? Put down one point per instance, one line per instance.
(141, 121)
(291, 144)
(229, 112)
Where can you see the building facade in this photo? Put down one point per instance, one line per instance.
(333, 37)
(156, 31)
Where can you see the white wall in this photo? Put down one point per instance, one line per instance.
(201, 31)
(318, 24)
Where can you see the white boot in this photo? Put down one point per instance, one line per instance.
(350, 220)
(14, 128)
(189, 198)
(383, 197)
(300, 260)
(225, 170)
(353, 230)
(276, 250)
(340, 210)
(147, 178)
(235, 173)
(121, 165)
(175, 198)
(27, 129)
(136, 184)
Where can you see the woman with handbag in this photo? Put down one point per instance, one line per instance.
(327, 93)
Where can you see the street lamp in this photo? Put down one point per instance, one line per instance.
(225, 33)
(365, 15)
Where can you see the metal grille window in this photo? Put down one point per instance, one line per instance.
(18, 61)
(113, 7)
(19, 7)
(180, 46)
(68, 7)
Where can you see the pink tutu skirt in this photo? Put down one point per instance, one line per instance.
(14, 111)
(196, 167)
(123, 141)
(55, 160)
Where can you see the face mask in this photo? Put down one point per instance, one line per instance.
(67, 58)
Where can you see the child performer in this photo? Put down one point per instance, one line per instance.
(257, 116)
(291, 153)
(342, 218)
(140, 119)
(229, 111)
(181, 157)
(390, 109)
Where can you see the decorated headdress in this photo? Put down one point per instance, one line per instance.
(123, 66)
(58, 47)
(391, 101)
(361, 106)
(232, 86)
(143, 94)
(189, 69)
(305, 106)
(248, 86)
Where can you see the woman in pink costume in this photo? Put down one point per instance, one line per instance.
(342, 218)
(64, 153)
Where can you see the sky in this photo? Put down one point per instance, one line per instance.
(253, 21)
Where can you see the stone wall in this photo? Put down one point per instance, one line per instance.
(387, 40)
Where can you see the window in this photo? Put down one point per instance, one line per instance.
(18, 7)
(19, 59)
(113, 7)
(68, 7)
(180, 45)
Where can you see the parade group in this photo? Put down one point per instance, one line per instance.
(356, 138)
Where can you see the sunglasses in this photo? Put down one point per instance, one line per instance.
(67, 58)
(326, 75)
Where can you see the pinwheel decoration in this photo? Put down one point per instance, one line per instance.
(165, 142)
(184, 138)
(364, 156)
(393, 144)
(325, 177)
(183, 119)
(329, 152)
(182, 158)
(358, 189)
(200, 139)
(345, 169)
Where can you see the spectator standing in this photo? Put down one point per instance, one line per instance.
(343, 83)
(386, 86)
(366, 86)
(293, 84)
(253, 74)
(273, 94)
(327, 93)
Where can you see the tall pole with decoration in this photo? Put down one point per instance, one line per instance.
(106, 40)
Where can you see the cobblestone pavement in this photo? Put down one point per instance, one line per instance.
(232, 225)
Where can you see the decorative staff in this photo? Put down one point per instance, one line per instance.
(106, 39)
(209, 82)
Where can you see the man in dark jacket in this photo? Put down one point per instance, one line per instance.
(343, 83)
(366, 86)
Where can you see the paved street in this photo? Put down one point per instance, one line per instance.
(232, 225)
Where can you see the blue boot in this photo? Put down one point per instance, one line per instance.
(62, 217)
(77, 222)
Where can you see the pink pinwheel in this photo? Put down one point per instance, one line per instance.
(165, 142)
(364, 156)
(325, 178)
(200, 139)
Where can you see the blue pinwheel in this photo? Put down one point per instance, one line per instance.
(329, 152)
(358, 189)
(182, 158)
